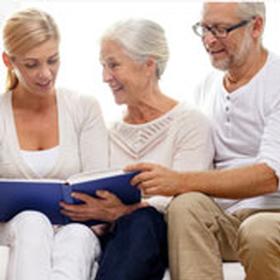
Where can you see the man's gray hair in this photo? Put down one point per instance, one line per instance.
(250, 9)
(247, 10)
(141, 38)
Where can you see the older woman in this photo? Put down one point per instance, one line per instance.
(45, 133)
(156, 128)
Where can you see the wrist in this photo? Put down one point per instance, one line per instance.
(130, 208)
(127, 209)
(181, 183)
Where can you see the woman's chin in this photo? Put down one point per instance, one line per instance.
(119, 100)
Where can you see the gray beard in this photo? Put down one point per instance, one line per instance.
(236, 59)
(222, 65)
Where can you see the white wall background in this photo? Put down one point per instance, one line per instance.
(81, 24)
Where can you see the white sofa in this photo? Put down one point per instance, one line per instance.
(4, 253)
(232, 271)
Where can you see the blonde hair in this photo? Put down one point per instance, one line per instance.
(23, 31)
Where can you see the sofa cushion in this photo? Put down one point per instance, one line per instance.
(232, 271)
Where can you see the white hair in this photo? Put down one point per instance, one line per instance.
(141, 39)
(247, 10)
(250, 9)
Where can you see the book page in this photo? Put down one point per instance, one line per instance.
(100, 174)
(43, 180)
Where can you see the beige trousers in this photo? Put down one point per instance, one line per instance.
(201, 235)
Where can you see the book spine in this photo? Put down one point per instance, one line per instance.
(66, 193)
(67, 198)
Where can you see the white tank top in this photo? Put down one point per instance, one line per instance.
(41, 162)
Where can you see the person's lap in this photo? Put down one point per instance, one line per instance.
(136, 248)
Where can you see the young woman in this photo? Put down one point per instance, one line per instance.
(45, 132)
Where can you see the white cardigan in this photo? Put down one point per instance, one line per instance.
(82, 138)
(180, 139)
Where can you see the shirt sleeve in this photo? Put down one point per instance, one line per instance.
(270, 143)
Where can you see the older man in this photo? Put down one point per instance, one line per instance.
(242, 221)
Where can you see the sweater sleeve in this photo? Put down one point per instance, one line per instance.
(193, 150)
(93, 136)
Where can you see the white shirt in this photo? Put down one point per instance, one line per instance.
(180, 139)
(41, 162)
(246, 125)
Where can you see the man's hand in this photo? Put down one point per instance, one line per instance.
(155, 179)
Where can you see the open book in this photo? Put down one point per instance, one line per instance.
(17, 195)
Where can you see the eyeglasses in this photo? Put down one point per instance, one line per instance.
(217, 30)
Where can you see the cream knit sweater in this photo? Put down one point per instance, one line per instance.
(180, 139)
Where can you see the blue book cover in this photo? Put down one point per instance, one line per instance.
(45, 195)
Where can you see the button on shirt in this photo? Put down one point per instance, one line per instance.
(246, 125)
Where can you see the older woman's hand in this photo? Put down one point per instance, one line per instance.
(155, 179)
(107, 207)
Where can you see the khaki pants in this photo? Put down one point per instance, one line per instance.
(201, 235)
